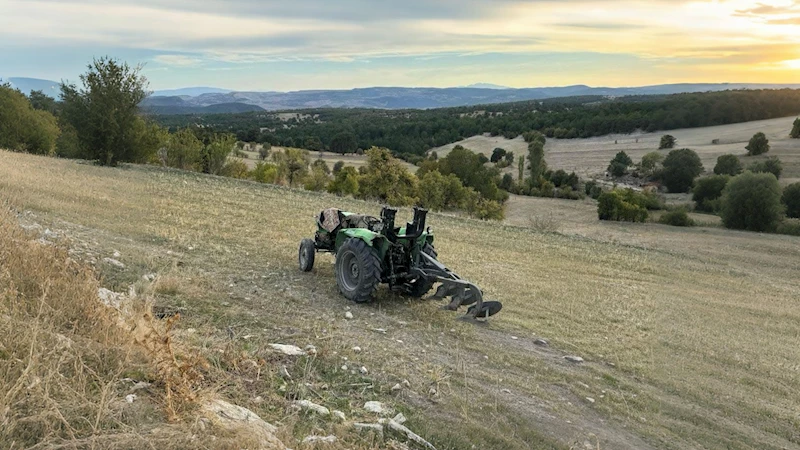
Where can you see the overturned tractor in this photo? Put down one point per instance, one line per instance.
(371, 250)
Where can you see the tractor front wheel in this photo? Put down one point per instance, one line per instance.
(306, 255)
(358, 270)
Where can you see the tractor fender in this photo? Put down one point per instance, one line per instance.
(374, 240)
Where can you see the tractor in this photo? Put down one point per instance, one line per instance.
(371, 250)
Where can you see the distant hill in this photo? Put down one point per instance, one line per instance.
(487, 86)
(190, 91)
(26, 85)
(178, 105)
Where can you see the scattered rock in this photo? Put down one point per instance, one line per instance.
(311, 406)
(114, 263)
(590, 399)
(514, 338)
(339, 415)
(583, 385)
(378, 428)
(396, 387)
(363, 370)
(319, 439)
(505, 391)
(400, 418)
(357, 349)
(139, 386)
(130, 398)
(406, 383)
(348, 315)
(574, 359)
(149, 277)
(541, 342)
(310, 349)
(237, 419)
(110, 298)
(116, 254)
(379, 330)
(377, 408)
(291, 350)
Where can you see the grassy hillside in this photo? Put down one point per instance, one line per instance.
(685, 346)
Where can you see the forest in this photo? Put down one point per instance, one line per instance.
(410, 133)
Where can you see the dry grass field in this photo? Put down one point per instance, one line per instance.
(689, 336)
(352, 159)
(590, 157)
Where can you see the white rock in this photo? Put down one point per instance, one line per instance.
(235, 418)
(505, 391)
(149, 277)
(590, 399)
(406, 383)
(130, 398)
(574, 359)
(357, 349)
(398, 427)
(541, 342)
(339, 415)
(363, 370)
(110, 298)
(377, 407)
(320, 439)
(114, 263)
(116, 254)
(369, 426)
(311, 406)
(400, 418)
(396, 387)
(310, 349)
(348, 315)
(344, 367)
(291, 350)
(514, 338)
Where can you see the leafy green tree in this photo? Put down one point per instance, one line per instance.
(795, 133)
(344, 143)
(235, 168)
(313, 143)
(263, 152)
(215, 153)
(321, 165)
(759, 144)
(182, 150)
(387, 180)
(771, 165)
(319, 179)
(621, 205)
(338, 167)
(791, 200)
(345, 182)
(104, 112)
(43, 102)
(651, 163)
(507, 182)
(619, 165)
(439, 192)
(498, 154)
(521, 169)
(534, 136)
(292, 165)
(470, 169)
(538, 166)
(752, 201)
(667, 142)
(677, 218)
(509, 158)
(708, 190)
(265, 173)
(728, 165)
(681, 167)
(23, 128)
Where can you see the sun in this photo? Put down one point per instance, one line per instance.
(792, 64)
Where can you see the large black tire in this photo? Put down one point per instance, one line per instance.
(419, 288)
(306, 255)
(358, 270)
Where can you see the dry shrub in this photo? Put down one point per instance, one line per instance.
(63, 354)
(546, 223)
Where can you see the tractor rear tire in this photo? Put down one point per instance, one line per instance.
(358, 270)
(420, 287)
(306, 255)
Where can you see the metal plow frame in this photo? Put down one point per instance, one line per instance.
(462, 292)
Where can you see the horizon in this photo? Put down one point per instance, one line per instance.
(248, 45)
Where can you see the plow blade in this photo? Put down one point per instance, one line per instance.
(460, 292)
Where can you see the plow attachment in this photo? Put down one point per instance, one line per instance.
(461, 292)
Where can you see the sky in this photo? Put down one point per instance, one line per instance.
(342, 44)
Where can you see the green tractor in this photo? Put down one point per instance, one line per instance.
(371, 250)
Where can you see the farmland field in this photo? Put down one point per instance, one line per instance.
(590, 157)
(689, 336)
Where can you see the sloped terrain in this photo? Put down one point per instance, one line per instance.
(684, 346)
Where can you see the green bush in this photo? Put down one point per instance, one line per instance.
(215, 153)
(385, 179)
(345, 182)
(338, 167)
(728, 165)
(318, 180)
(619, 165)
(680, 169)
(677, 218)
(621, 205)
(651, 163)
(758, 145)
(707, 192)
(265, 173)
(439, 192)
(789, 226)
(752, 201)
(235, 169)
(667, 142)
(592, 189)
(795, 133)
(482, 208)
(772, 165)
(182, 150)
(23, 128)
(791, 200)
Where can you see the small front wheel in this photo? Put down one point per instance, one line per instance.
(306, 256)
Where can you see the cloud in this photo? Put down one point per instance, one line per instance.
(177, 60)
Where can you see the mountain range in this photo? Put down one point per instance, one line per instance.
(199, 100)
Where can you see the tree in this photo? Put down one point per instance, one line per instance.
(43, 102)
(534, 136)
(795, 133)
(104, 112)
(509, 158)
(521, 168)
(758, 145)
(319, 178)
(651, 163)
(386, 180)
(321, 165)
(439, 192)
(771, 165)
(345, 182)
(497, 155)
(667, 142)
(752, 201)
(313, 143)
(292, 165)
(263, 152)
(708, 190)
(791, 200)
(215, 153)
(182, 150)
(344, 143)
(619, 165)
(728, 165)
(621, 205)
(338, 167)
(507, 182)
(681, 167)
(468, 166)
(23, 128)
(265, 173)
(536, 160)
